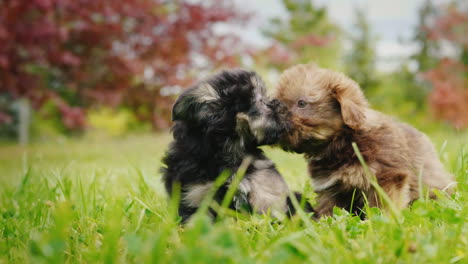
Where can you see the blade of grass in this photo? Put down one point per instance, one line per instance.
(209, 197)
(83, 197)
(174, 203)
(304, 217)
(146, 206)
(443, 147)
(420, 184)
(236, 181)
(393, 210)
(352, 200)
(24, 181)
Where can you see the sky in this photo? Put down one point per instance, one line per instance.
(392, 21)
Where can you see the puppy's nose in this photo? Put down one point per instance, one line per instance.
(273, 104)
(278, 106)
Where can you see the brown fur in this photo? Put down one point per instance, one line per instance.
(336, 114)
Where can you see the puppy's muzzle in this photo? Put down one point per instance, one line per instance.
(266, 126)
(282, 114)
(278, 107)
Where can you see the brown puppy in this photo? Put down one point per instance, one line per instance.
(329, 112)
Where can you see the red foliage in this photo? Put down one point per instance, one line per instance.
(449, 96)
(282, 54)
(276, 54)
(312, 40)
(451, 26)
(83, 52)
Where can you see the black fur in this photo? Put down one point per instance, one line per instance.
(218, 123)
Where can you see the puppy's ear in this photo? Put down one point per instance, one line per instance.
(352, 102)
(182, 106)
(352, 114)
(191, 104)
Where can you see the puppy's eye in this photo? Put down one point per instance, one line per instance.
(301, 103)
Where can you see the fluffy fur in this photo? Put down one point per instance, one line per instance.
(328, 112)
(219, 122)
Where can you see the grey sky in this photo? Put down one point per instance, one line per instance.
(391, 21)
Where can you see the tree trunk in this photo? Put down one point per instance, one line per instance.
(24, 121)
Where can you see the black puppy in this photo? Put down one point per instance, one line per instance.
(218, 123)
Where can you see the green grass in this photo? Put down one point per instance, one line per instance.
(101, 200)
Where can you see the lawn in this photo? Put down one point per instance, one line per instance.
(101, 200)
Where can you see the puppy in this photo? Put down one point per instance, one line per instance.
(328, 112)
(218, 123)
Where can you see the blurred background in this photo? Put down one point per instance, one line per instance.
(112, 68)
